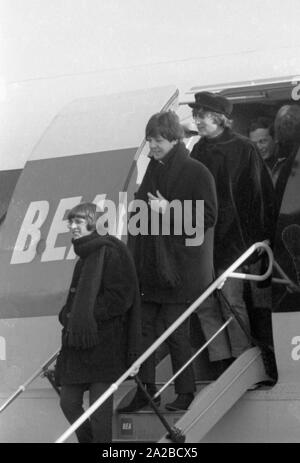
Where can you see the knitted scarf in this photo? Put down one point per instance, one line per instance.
(82, 327)
(166, 267)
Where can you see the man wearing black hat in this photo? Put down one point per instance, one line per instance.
(245, 197)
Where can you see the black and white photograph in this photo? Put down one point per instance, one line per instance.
(149, 224)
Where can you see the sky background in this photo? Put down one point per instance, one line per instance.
(61, 37)
(53, 52)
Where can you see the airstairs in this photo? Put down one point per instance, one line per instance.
(212, 400)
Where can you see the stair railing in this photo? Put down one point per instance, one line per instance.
(217, 284)
(194, 356)
(41, 370)
(285, 280)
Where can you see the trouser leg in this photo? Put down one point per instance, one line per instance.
(211, 319)
(179, 346)
(71, 398)
(260, 307)
(101, 419)
(149, 335)
(233, 291)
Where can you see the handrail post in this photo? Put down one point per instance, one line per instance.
(174, 433)
(22, 388)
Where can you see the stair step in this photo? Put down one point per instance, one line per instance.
(144, 425)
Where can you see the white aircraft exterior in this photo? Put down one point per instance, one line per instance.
(79, 135)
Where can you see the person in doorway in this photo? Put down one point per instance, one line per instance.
(101, 323)
(173, 272)
(245, 198)
(261, 133)
(287, 135)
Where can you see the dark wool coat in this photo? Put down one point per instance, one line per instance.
(245, 194)
(117, 316)
(168, 269)
(287, 151)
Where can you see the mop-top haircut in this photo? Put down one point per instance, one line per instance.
(165, 124)
(87, 211)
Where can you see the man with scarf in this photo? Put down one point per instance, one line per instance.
(245, 198)
(172, 273)
(101, 323)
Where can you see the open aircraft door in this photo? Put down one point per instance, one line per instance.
(88, 153)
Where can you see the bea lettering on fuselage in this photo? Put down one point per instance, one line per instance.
(114, 219)
(30, 240)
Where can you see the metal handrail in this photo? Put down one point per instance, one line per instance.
(248, 276)
(222, 328)
(131, 371)
(285, 280)
(22, 388)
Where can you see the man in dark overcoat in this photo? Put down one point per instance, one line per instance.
(175, 268)
(245, 198)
